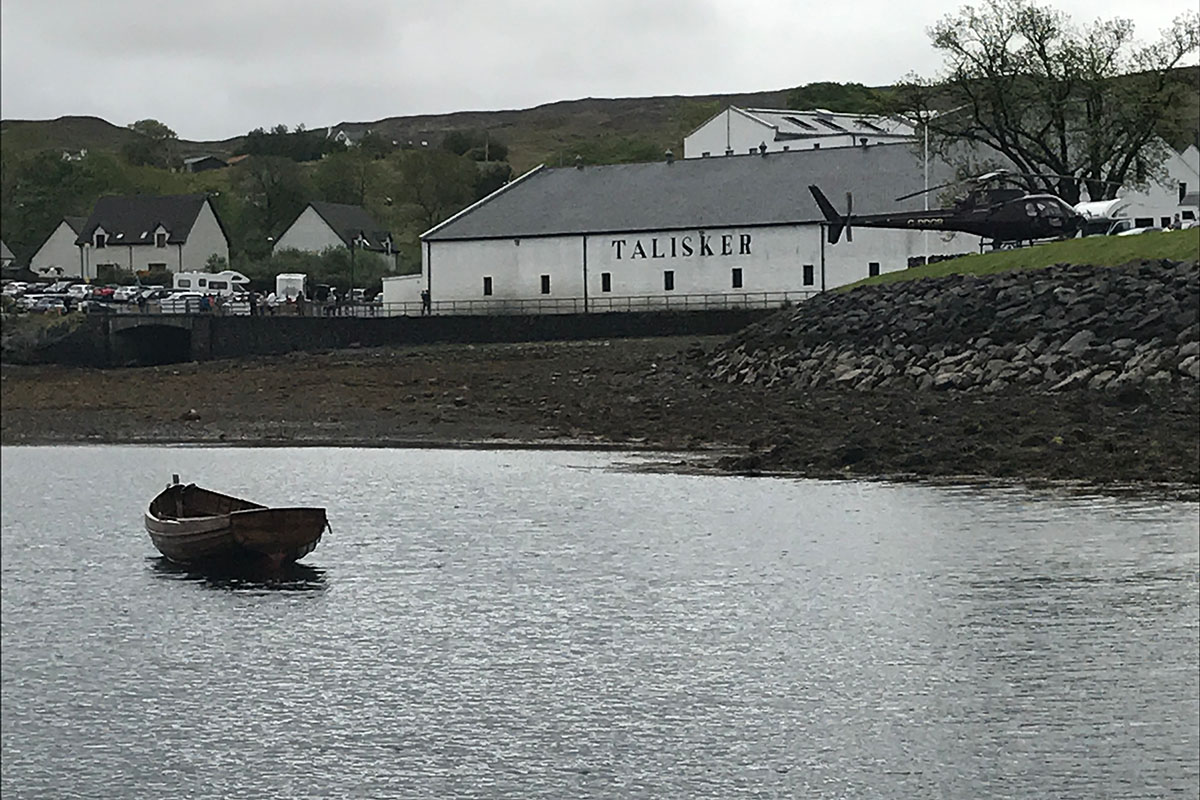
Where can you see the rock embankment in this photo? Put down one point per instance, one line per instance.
(1119, 329)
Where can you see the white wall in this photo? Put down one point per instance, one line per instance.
(771, 260)
(309, 234)
(1160, 200)
(728, 129)
(205, 240)
(59, 250)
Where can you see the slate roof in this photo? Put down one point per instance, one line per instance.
(132, 220)
(819, 124)
(350, 222)
(723, 191)
(76, 223)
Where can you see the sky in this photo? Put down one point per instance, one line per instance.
(217, 69)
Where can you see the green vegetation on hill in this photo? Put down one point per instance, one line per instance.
(1098, 251)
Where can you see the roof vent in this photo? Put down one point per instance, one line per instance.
(670, 157)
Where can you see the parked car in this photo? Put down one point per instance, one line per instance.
(79, 291)
(48, 304)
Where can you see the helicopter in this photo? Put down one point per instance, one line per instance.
(1008, 216)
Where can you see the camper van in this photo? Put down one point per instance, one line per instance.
(226, 282)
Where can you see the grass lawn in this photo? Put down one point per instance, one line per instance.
(1099, 251)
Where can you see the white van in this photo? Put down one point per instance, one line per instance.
(226, 282)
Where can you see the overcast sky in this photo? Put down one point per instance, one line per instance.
(216, 69)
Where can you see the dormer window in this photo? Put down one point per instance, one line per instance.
(101, 240)
(160, 239)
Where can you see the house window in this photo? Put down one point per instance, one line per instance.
(669, 280)
(545, 284)
(160, 239)
(606, 281)
(1182, 190)
(872, 268)
(808, 274)
(101, 240)
(487, 285)
(737, 277)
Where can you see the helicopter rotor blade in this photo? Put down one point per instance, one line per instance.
(849, 212)
(911, 195)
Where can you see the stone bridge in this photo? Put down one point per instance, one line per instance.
(146, 339)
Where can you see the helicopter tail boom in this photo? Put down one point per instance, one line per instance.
(836, 222)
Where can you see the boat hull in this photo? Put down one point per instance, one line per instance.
(189, 525)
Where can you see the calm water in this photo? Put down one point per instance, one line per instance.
(532, 624)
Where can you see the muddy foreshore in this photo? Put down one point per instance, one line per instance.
(626, 393)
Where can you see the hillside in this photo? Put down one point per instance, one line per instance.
(532, 135)
(551, 133)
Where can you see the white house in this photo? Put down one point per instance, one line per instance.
(738, 131)
(678, 233)
(322, 225)
(179, 233)
(6, 256)
(59, 255)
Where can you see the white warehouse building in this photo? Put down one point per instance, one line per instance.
(746, 130)
(688, 233)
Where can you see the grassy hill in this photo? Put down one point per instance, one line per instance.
(552, 133)
(1098, 251)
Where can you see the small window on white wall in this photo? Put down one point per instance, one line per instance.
(545, 284)
(606, 281)
(160, 239)
(808, 274)
(669, 280)
(487, 285)
(872, 268)
(736, 278)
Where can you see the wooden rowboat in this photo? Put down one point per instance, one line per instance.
(189, 524)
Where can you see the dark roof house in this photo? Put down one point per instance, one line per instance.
(353, 225)
(133, 220)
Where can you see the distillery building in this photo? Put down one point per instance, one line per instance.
(679, 233)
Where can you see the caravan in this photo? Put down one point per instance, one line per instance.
(227, 282)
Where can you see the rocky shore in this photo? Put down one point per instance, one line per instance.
(1066, 327)
(1067, 374)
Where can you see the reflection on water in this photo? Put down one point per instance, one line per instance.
(294, 577)
(537, 625)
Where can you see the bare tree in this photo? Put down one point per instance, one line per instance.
(1087, 105)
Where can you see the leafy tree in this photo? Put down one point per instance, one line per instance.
(296, 145)
(1051, 98)
(154, 145)
(491, 175)
(848, 98)
(433, 184)
(374, 145)
(275, 191)
(345, 177)
(478, 145)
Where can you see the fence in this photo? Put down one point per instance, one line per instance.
(599, 305)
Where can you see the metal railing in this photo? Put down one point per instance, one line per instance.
(599, 305)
